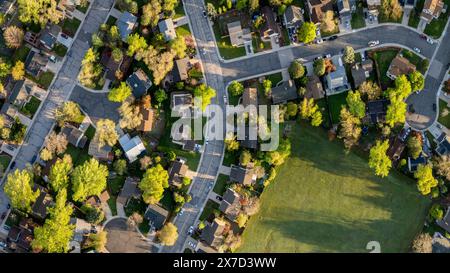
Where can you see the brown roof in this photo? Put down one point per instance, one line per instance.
(314, 88)
(250, 97)
(400, 66)
(318, 8)
(177, 171)
(231, 204)
(242, 175)
(110, 64)
(270, 26)
(130, 189)
(213, 233)
(432, 8)
(396, 149)
(147, 119)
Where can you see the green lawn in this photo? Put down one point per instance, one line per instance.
(115, 184)
(444, 120)
(183, 30)
(221, 184)
(436, 26)
(21, 53)
(4, 160)
(44, 80)
(60, 50)
(327, 200)
(415, 60)
(230, 158)
(31, 107)
(79, 156)
(179, 11)
(275, 78)
(70, 26)
(209, 208)
(414, 19)
(111, 21)
(227, 51)
(383, 60)
(358, 19)
(335, 103)
(112, 205)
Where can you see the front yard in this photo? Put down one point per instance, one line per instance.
(444, 114)
(44, 80)
(30, 108)
(437, 26)
(383, 59)
(70, 26)
(421, 64)
(358, 19)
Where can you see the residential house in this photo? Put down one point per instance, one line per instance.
(414, 163)
(102, 153)
(203, 248)
(23, 91)
(245, 176)
(82, 229)
(337, 81)
(148, 115)
(156, 215)
(98, 201)
(360, 72)
(132, 147)
(75, 136)
(181, 69)
(432, 9)
(111, 66)
(213, 233)
(181, 101)
(317, 8)
(177, 171)
(293, 17)
(32, 38)
(443, 145)
(35, 64)
(395, 150)
(373, 6)
(67, 7)
(376, 111)
(167, 28)
(129, 190)
(139, 83)
(126, 24)
(20, 237)
(47, 167)
(42, 203)
(345, 10)
(314, 88)
(284, 92)
(49, 36)
(400, 66)
(445, 221)
(270, 28)
(231, 204)
(440, 244)
(238, 36)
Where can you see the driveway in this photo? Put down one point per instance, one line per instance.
(122, 238)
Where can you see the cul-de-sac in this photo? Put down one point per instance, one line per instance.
(354, 95)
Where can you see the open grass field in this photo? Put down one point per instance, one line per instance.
(324, 200)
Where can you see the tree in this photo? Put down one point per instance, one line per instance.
(94, 215)
(56, 143)
(356, 106)
(91, 70)
(245, 158)
(417, 81)
(168, 235)
(18, 71)
(160, 96)
(18, 188)
(241, 4)
(316, 119)
(135, 43)
(241, 220)
(378, 160)
(150, 13)
(349, 55)
(350, 129)
(307, 32)
(54, 236)
(145, 162)
(396, 112)
(267, 85)
(5, 68)
(278, 157)
(106, 133)
(97, 41)
(13, 36)
(414, 145)
(120, 166)
(319, 67)
(370, 89)
(59, 173)
(236, 88)
(436, 212)
(120, 93)
(178, 45)
(442, 166)
(113, 34)
(391, 10)
(153, 183)
(88, 179)
(231, 143)
(130, 115)
(291, 109)
(211, 10)
(309, 109)
(254, 5)
(328, 24)
(205, 94)
(296, 70)
(401, 90)
(425, 179)
(422, 243)
(117, 54)
(69, 111)
(97, 241)
(45, 154)
(169, 5)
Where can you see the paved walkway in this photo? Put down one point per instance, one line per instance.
(406, 14)
(225, 170)
(180, 21)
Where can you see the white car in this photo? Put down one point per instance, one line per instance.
(191, 230)
(430, 41)
(191, 244)
(373, 43)
(225, 99)
(416, 50)
(319, 41)
(327, 56)
(318, 58)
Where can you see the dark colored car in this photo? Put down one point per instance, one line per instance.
(219, 198)
(3, 215)
(33, 159)
(13, 164)
(434, 107)
(334, 37)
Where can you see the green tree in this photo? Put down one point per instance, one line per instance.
(150, 13)
(356, 106)
(291, 109)
(135, 43)
(160, 96)
(117, 54)
(153, 183)
(267, 85)
(97, 41)
(94, 215)
(18, 71)
(245, 158)
(88, 179)
(97, 241)
(120, 93)
(179, 46)
(5, 68)
(436, 212)
(69, 111)
(349, 55)
(254, 5)
(378, 160)
(241, 220)
(309, 109)
(120, 166)
(307, 32)
(241, 4)
(54, 236)
(370, 89)
(168, 235)
(18, 188)
(296, 70)
(169, 5)
(236, 88)
(396, 112)
(59, 173)
(316, 119)
(205, 94)
(417, 81)
(425, 180)
(350, 130)
(414, 145)
(39, 12)
(106, 133)
(231, 143)
(319, 67)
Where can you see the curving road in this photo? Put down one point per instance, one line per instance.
(218, 73)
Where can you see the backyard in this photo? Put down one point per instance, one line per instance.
(339, 206)
(383, 59)
(444, 119)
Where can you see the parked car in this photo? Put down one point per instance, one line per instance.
(373, 43)
(434, 107)
(191, 244)
(218, 197)
(191, 230)
(334, 37)
(416, 50)
(327, 56)
(225, 99)
(3, 215)
(319, 41)
(204, 13)
(52, 58)
(430, 41)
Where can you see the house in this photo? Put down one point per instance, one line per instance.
(75, 136)
(82, 229)
(396, 149)
(156, 215)
(129, 190)
(400, 66)
(250, 97)
(317, 8)
(445, 221)
(67, 7)
(23, 91)
(42, 203)
(132, 147)
(49, 36)
(20, 237)
(139, 83)
(238, 36)
(358, 75)
(35, 64)
(32, 38)
(269, 29)
(181, 69)
(177, 171)
(111, 65)
(102, 153)
(167, 28)
(126, 24)
(293, 17)
(376, 110)
(231, 204)
(345, 10)
(203, 248)
(373, 6)
(47, 167)
(284, 92)
(432, 9)
(241, 175)
(443, 147)
(337, 81)
(148, 115)
(181, 101)
(440, 244)
(98, 201)
(213, 233)
(414, 163)
(314, 88)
